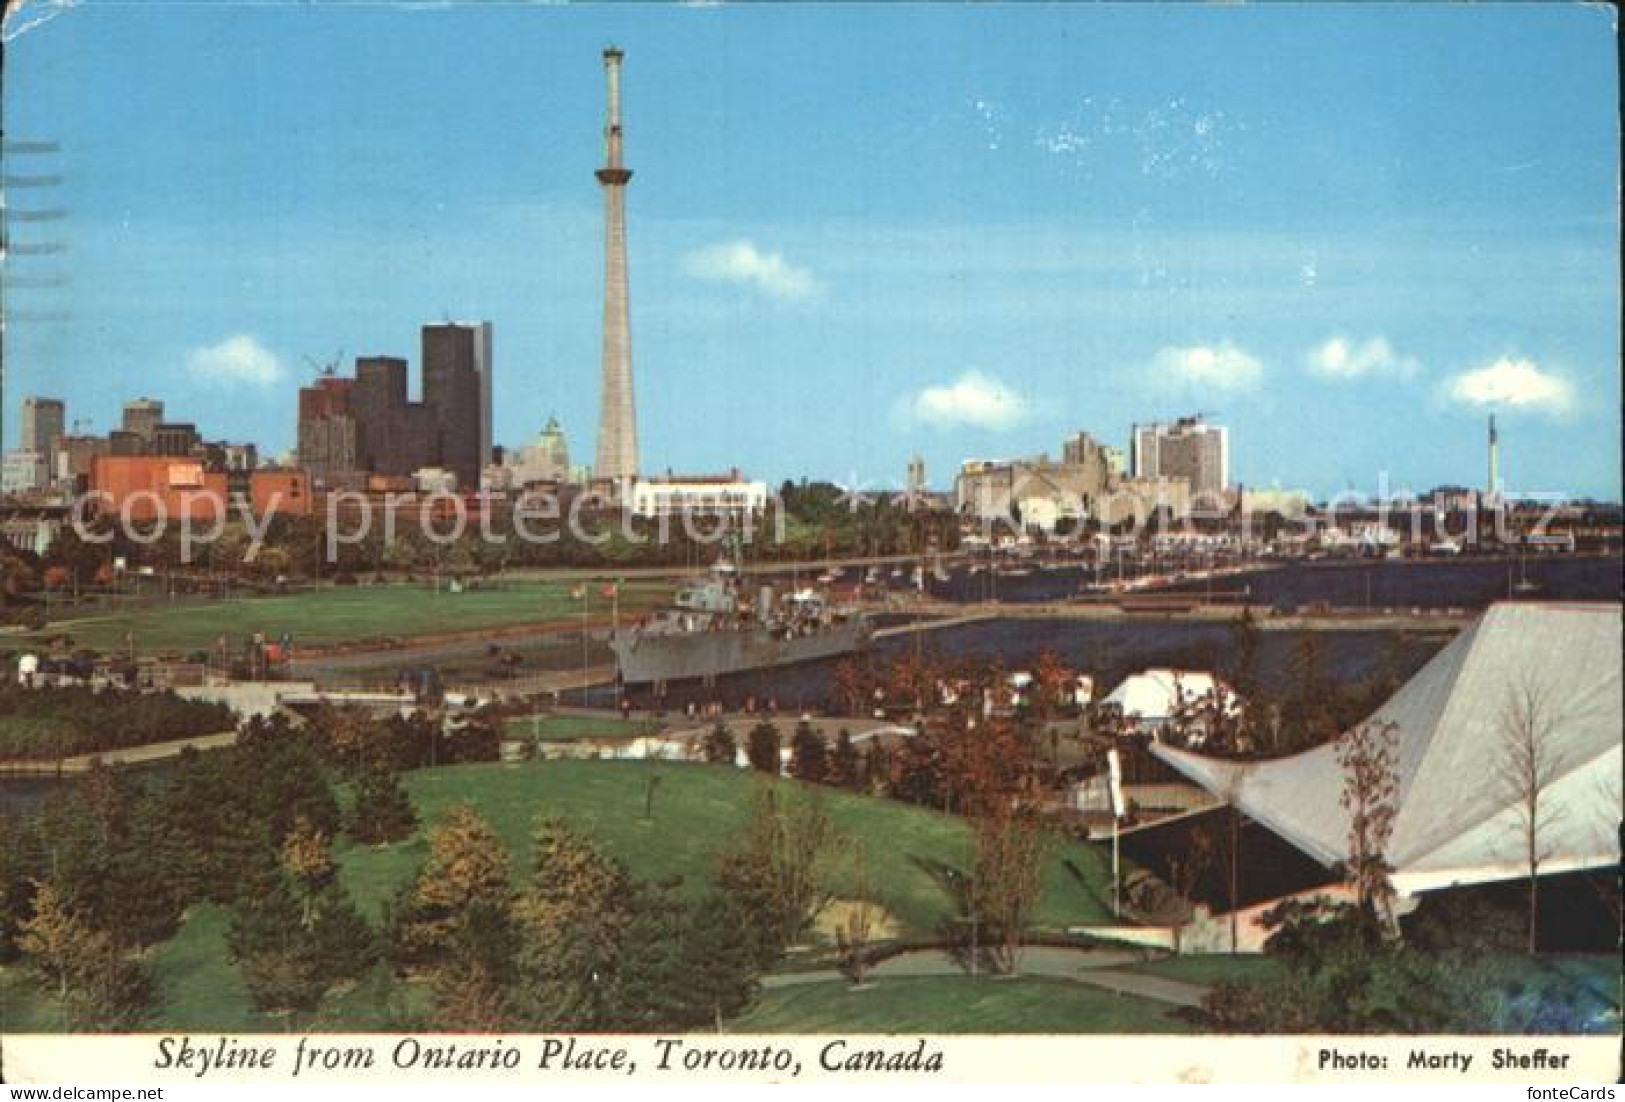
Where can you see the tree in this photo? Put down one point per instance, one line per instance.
(1309, 715)
(309, 866)
(719, 745)
(289, 964)
(719, 968)
(776, 874)
(1529, 763)
(852, 686)
(763, 748)
(845, 768)
(809, 755)
(352, 738)
(99, 987)
(856, 930)
(466, 865)
(1008, 853)
(572, 919)
(1185, 872)
(1367, 756)
(1340, 974)
(1052, 685)
(382, 811)
(473, 984)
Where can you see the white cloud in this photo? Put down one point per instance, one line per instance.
(742, 262)
(1342, 358)
(237, 359)
(974, 400)
(1510, 382)
(1203, 367)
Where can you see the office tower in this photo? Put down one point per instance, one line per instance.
(142, 417)
(452, 395)
(482, 368)
(44, 422)
(174, 438)
(391, 438)
(327, 436)
(617, 421)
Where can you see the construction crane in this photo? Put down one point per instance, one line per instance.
(328, 368)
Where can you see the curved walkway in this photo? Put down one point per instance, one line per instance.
(1093, 967)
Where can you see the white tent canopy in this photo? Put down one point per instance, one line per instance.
(1460, 819)
(1157, 695)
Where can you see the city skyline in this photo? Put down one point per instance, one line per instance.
(1341, 259)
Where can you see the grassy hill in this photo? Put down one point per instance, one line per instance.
(698, 810)
(344, 614)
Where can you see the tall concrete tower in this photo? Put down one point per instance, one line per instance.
(617, 421)
(1495, 460)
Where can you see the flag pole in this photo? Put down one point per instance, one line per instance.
(586, 598)
(1114, 776)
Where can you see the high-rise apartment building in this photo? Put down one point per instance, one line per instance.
(1189, 448)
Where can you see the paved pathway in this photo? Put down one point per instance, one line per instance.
(129, 755)
(1094, 967)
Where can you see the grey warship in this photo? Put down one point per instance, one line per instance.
(711, 629)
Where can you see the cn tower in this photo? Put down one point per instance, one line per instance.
(617, 422)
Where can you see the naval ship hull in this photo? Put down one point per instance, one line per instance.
(643, 659)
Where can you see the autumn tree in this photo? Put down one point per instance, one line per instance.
(1052, 686)
(1529, 763)
(853, 686)
(855, 932)
(309, 865)
(466, 865)
(572, 918)
(1367, 756)
(845, 768)
(776, 874)
(1004, 884)
(352, 738)
(99, 987)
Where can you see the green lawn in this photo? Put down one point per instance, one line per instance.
(345, 613)
(697, 811)
(565, 728)
(955, 1004)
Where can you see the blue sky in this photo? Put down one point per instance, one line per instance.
(1346, 232)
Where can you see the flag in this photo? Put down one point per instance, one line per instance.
(578, 593)
(1115, 766)
(607, 591)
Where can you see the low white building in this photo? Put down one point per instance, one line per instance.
(698, 495)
